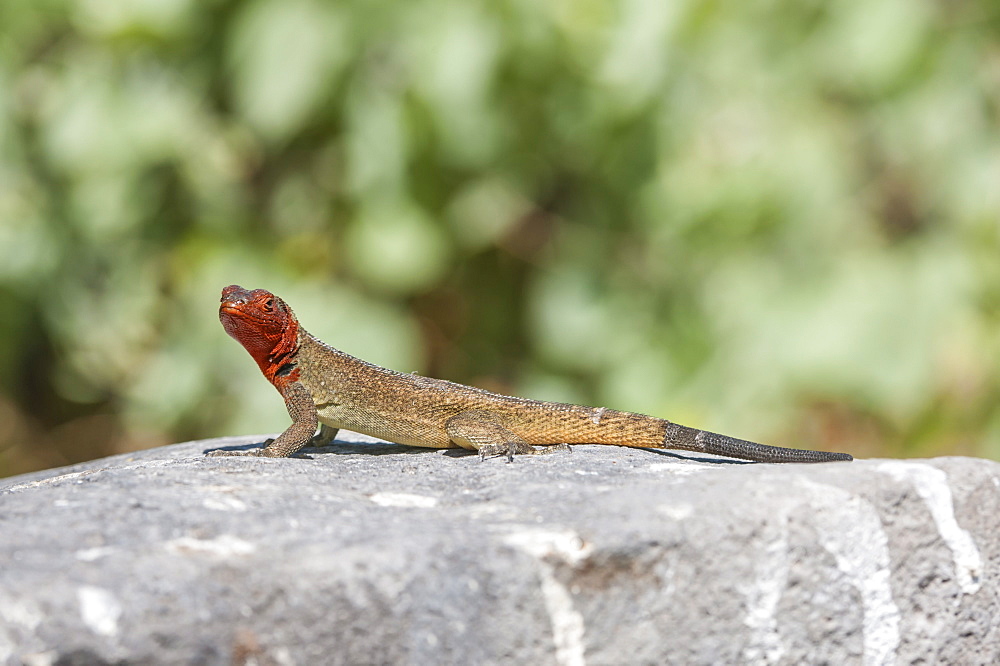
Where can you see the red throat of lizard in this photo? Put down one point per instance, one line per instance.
(267, 329)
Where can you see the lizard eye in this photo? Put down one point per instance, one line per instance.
(269, 304)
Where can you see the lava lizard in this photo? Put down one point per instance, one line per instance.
(328, 389)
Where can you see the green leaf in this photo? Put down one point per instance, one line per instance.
(284, 55)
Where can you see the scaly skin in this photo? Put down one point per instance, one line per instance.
(324, 386)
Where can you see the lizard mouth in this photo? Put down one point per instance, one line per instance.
(238, 322)
(235, 313)
(232, 318)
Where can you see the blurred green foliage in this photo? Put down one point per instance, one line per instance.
(775, 219)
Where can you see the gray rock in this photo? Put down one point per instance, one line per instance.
(372, 553)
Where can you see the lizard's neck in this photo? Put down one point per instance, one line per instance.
(277, 356)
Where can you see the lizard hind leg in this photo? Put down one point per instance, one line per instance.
(481, 431)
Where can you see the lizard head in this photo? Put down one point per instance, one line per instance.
(264, 325)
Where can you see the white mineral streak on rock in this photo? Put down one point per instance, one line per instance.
(849, 527)
(17, 615)
(567, 623)
(678, 468)
(405, 500)
(99, 610)
(931, 484)
(764, 646)
(76, 476)
(222, 546)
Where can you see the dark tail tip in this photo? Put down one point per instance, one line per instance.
(682, 437)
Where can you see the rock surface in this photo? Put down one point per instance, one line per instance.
(375, 553)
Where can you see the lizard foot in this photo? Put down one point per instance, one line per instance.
(254, 453)
(510, 449)
(219, 453)
(265, 451)
(484, 431)
(257, 453)
(552, 448)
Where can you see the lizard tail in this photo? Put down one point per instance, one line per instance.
(691, 439)
(554, 423)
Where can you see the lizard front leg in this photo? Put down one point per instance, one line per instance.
(481, 431)
(301, 408)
